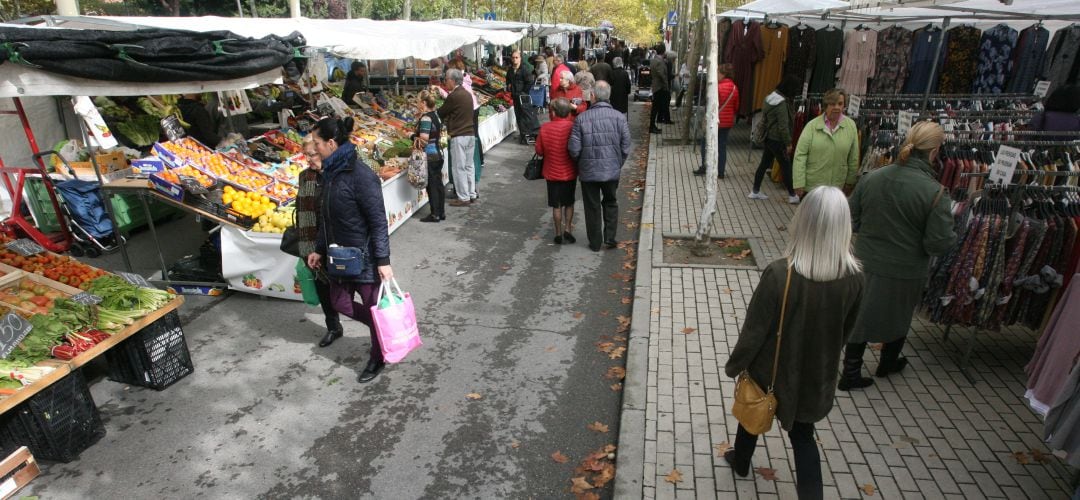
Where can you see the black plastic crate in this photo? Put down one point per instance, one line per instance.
(155, 357)
(57, 423)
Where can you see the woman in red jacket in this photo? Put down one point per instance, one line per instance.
(568, 89)
(559, 169)
(728, 104)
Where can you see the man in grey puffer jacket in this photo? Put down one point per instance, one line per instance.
(600, 142)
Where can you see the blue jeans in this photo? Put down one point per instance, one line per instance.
(721, 149)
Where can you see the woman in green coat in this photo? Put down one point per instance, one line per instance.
(828, 149)
(903, 217)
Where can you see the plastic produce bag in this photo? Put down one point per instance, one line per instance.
(395, 323)
(306, 278)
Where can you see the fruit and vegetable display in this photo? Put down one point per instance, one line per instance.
(248, 203)
(275, 222)
(60, 268)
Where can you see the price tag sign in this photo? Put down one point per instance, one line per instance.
(1042, 88)
(854, 102)
(904, 120)
(949, 125)
(86, 299)
(172, 128)
(135, 279)
(1001, 171)
(13, 329)
(25, 247)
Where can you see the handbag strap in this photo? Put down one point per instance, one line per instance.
(780, 330)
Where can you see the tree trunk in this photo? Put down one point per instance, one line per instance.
(711, 128)
(406, 10)
(251, 7)
(692, 90)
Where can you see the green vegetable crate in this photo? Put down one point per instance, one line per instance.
(57, 423)
(155, 357)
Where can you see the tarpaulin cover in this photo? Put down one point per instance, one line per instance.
(150, 55)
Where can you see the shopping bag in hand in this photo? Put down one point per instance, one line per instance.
(395, 322)
(306, 278)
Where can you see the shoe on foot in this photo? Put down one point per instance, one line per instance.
(700, 171)
(569, 238)
(371, 371)
(430, 218)
(729, 457)
(558, 240)
(719, 176)
(611, 243)
(885, 369)
(654, 130)
(754, 195)
(793, 199)
(849, 383)
(458, 203)
(330, 337)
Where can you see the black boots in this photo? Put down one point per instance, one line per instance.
(891, 362)
(741, 470)
(333, 332)
(371, 371)
(851, 377)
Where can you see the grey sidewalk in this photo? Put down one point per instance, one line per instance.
(926, 433)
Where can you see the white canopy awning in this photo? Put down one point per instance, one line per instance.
(529, 28)
(783, 7)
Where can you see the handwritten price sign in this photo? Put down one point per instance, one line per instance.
(13, 329)
(25, 247)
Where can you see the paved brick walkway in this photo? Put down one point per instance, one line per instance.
(927, 433)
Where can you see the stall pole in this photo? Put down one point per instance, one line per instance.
(934, 65)
(106, 199)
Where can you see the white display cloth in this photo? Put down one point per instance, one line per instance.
(22, 81)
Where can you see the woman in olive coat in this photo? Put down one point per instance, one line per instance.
(822, 303)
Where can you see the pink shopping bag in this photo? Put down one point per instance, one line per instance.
(395, 323)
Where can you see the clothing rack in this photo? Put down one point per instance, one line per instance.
(1050, 173)
(950, 113)
(1062, 133)
(1049, 144)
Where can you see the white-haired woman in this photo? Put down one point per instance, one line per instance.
(903, 218)
(822, 281)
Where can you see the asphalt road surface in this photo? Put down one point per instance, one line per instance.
(510, 372)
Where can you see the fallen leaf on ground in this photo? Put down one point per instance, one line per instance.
(605, 347)
(741, 255)
(688, 330)
(674, 476)
(609, 449)
(629, 265)
(550, 348)
(616, 387)
(668, 242)
(558, 457)
(605, 313)
(766, 473)
(617, 372)
(605, 476)
(624, 323)
(588, 495)
(505, 268)
(781, 227)
(612, 291)
(515, 444)
(722, 448)
(726, 291)
(597, 427)
(620, 276)
(619, 338)
(1039, 456)
(617, 353)
(580, 485)
(868, 489)
(579, 315)
(627, 300)
(473, 396)
(1021, 457)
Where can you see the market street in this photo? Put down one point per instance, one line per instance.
(508, 375)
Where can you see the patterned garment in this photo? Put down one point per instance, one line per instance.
(925, 43)
(1015, 249)
(1060, 65)
(1028, 59)
(893, 51)
(860, 54)
(961, 58)
(829, 43)
(995, 60)
(801, 51)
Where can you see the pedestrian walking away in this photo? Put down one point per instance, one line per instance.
(661, 89)
(559, 170)
(903, 217)
(778, 115)
(620, 87)
(819, 284)
(728, 104)
(354, 216)
(600, 142)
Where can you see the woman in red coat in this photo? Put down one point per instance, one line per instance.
(729, 106)
(569, 90)
(559, 169)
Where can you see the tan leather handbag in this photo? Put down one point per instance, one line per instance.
(754, 408)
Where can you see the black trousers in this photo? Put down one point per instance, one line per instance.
(436, 191)
(774, 150)
(476, 133)
(807, 457)
(853, 355)
(333, 320)
(679, 98)
(601, 202)
(660, 101)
